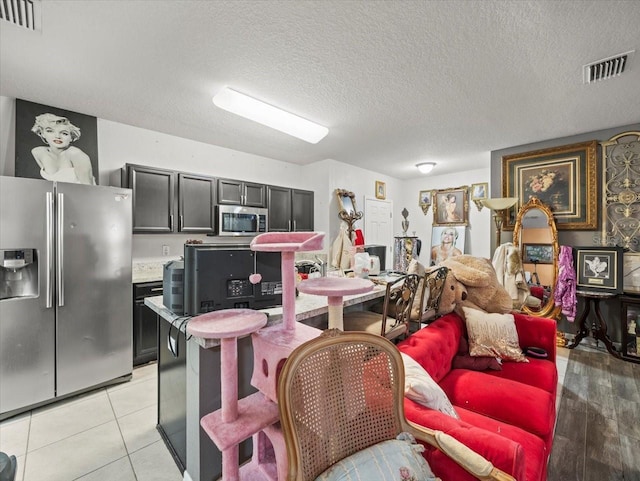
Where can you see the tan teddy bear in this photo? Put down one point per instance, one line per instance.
(483, 291)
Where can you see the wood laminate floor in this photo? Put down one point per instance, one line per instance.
(597, 435)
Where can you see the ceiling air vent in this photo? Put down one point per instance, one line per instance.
(23, 13)
(606, 68)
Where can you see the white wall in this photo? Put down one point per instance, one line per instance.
(119, 144)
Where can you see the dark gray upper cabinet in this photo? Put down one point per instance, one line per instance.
(237, 192)
(196, 199)
(279, 201)
(153, 198)
(302, 210)
(156, 200)
(290, 209)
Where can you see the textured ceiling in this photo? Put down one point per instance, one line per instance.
(396, 82)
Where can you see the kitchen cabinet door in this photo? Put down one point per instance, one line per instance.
(196, 194)
(237, 192)
(254, 195)
(153, 198)
(302, 210)
(145, 323)
(290, 210)
(279, 202)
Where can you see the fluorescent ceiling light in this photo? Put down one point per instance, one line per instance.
(270, 116)
(425, 167)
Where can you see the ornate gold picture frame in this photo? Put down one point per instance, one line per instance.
(564, 178)
(451, 206)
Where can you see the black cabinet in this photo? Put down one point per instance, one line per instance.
(630, 348)
(153, 198)
(156, 200)
(237, 192)
(196, 200)
(145, 323)
(290, 209)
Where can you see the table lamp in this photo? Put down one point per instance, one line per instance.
(499, 206)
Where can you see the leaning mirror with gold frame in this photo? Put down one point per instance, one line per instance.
(535, 225)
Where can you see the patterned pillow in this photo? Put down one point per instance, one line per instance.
(493, 335)
(393, 460)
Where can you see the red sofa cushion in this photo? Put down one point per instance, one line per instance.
(509, 401)
(540, 373)
(504, 453)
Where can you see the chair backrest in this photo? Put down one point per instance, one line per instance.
(338, 394)
(398, 302)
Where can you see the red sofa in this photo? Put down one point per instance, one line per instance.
(508, 416)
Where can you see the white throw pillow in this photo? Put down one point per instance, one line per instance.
(421, 388)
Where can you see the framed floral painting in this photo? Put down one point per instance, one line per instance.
(563, 178)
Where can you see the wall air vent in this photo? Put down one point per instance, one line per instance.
(606, 68)
(23, 13)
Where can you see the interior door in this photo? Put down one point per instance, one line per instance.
(378, 224)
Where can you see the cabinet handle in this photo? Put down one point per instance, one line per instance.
(171, 222)
(180, 223)
(294, 226)
(289, 225)
(155, 289)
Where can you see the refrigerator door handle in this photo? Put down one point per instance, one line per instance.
(60, 250)
(49, 249)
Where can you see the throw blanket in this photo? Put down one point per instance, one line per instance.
(565, 292)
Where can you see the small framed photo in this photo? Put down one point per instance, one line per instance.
(381, 190)
(537, 253)
(479, 191)
(451, 206)
(599, 268)
(424, 198)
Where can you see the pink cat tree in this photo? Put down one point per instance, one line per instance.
(256, 415)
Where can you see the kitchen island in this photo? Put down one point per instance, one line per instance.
(189, 379)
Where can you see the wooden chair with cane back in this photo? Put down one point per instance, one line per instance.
(341, 394)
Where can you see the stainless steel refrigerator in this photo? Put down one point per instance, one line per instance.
(65, 290)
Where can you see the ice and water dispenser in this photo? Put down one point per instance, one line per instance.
(18, 273)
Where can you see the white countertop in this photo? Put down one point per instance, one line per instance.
(149, 270)
(307, 306)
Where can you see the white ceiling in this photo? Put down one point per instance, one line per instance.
(396, 82)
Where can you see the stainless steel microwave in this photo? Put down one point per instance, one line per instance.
(237, 220)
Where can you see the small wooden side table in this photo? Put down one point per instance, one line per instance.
(598, 326)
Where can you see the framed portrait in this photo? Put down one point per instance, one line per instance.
(451, 206)
(55, 144)
(446, 241)
(563, 178)
(599, 268)
(381, 190)
(479, 191)
(537, 253)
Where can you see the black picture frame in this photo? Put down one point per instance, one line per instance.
(599, 269)
(538, 253)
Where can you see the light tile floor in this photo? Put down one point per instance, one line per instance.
(106, 435)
